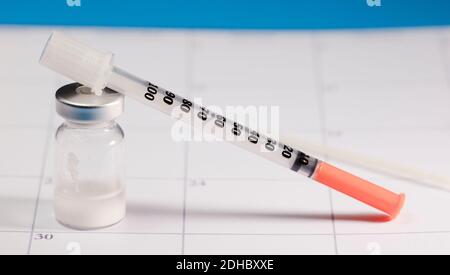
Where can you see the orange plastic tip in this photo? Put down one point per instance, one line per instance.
(362, 190)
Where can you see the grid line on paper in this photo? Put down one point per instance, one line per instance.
(21, 126)
(319, 81)
(400, 129)
(189, 77)
(230, 234)
(16, 176)
(320, 234)
(42, 176)
(138, 178)
(185, 184)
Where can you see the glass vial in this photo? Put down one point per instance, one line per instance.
(89, 175)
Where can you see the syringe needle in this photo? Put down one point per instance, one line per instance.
(95, 69)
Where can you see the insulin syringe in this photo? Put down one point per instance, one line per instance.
(95, 69)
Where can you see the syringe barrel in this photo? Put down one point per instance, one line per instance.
(360, 189)
(353, 186)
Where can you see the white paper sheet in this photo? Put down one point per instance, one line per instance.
(384, 94)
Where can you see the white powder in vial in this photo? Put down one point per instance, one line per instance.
(89, 205)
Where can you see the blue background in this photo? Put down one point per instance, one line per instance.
(229, 14)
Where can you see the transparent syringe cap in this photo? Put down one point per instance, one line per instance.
(86, 65)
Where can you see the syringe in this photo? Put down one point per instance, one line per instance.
(95, 69)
